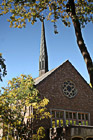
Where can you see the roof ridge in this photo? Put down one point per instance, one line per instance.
(42, 77)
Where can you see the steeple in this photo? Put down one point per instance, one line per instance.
(43, 58)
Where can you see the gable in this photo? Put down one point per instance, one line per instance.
(66, 65)
(50, 85)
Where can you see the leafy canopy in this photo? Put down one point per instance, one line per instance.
(31, 10)
(21, 108)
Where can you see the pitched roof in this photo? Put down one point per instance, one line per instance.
(44, 76)
(41, 78)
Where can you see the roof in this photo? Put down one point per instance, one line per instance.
(41, 78)
(43, 48)
(44, 76)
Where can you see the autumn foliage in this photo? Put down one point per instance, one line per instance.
(21, 109)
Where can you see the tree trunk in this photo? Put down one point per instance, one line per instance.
(80, 41)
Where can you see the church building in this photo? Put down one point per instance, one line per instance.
(70, 99)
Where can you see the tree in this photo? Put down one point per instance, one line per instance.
(3, 71)
(78, 11)
(22, 110)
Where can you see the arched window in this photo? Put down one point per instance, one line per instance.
(39, 65)
(43, 66)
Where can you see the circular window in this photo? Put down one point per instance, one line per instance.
(69, 89)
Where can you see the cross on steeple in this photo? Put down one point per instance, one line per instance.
(43, 58)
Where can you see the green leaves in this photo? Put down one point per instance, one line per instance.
(19, 103)
(31, 10)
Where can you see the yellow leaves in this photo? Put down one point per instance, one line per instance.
(29, 14)
(24, 25)
(40, 131)
(23, 76)
(52, 20)
(50, 13)
(4, 12)
(11, 10)
(29, 19)
(34, 104)
(15, 26)
(32, 22)
(44, 102)
(1, 14)
(0, 54)
(10, 82)
(52, 10)
(9, 96)
(18, 122)
(3, 3)
(23, 20)
(19, 26)
(11, 24)
(49, 16)
(41, 110)
(20, 102)
(8, 20)
(13, 107)
(47, 114)
(90, 85)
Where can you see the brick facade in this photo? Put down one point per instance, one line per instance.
(51, 87)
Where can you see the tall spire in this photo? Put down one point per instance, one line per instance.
(43, 58)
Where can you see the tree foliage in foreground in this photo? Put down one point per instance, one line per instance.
(22, 110)
(23, 10)
(3, 71)
(79, 12)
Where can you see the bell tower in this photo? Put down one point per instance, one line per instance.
(43, 58)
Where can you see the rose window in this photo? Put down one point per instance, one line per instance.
(69, 89)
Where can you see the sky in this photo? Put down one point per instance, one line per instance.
(21, 48)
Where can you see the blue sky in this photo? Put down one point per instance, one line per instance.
(21, 48)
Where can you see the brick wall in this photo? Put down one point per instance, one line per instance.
(51, 88)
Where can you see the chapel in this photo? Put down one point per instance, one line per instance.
(70, 99)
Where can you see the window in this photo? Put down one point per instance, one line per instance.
(43, 65)
(70, 115)
(79, 116)
(86, 116)
(65, 117)
(57, 114)
(82, 116)
(74, 115)
(69, 89)
(40, 65)
(53, 114)
(61, 114)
